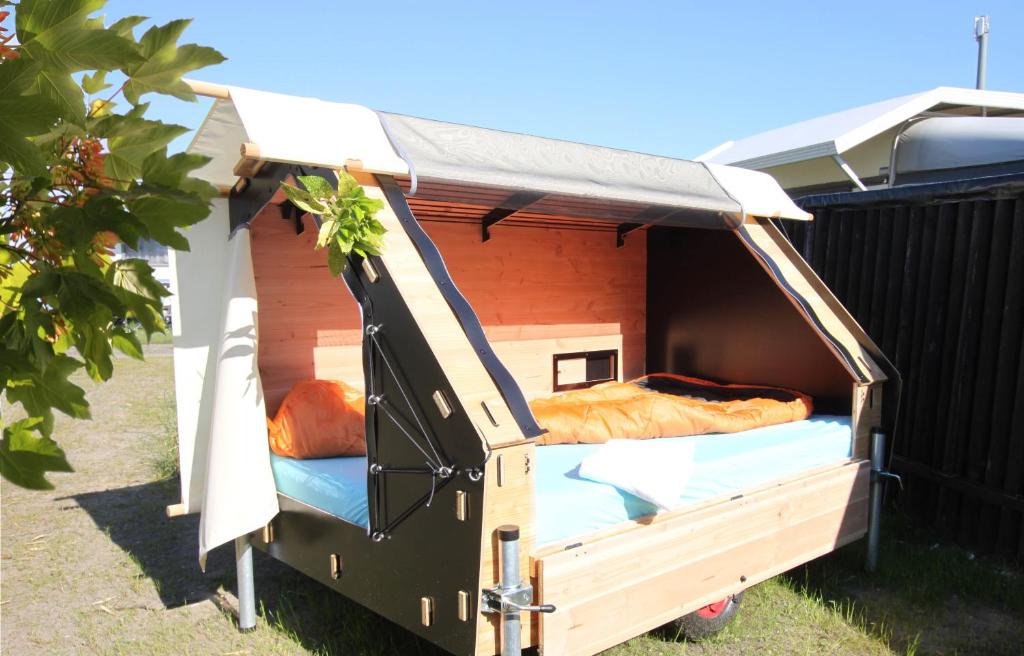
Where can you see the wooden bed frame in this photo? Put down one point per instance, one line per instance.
(539, 290)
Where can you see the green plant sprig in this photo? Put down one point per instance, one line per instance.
(347, 217)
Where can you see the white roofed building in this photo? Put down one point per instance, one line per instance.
(853, 149)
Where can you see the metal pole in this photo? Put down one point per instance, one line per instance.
(246, 585)
(875, 498)
(981, 36)
(508, 536)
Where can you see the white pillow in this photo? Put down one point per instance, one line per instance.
(654, 470)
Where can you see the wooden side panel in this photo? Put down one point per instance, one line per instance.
(867, 414)
(619, 587)
(554, 279)
(510, 502)
(477, 393)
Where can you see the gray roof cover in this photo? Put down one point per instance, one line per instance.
(448, 151)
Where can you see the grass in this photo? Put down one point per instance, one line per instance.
(96, 568)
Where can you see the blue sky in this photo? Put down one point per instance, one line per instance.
(671, 78)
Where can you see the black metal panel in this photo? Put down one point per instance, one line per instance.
(941, 288)
(252, 194)
(438, 558)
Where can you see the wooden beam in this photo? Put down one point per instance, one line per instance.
(250, 163)
(208, 89)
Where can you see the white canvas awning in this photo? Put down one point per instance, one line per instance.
(335, 135)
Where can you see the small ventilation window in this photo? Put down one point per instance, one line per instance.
(585, 369)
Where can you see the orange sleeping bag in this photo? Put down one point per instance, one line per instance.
(325, 418)
(663, 405)
(319, 419)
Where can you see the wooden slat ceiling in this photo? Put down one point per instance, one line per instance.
(439, 201)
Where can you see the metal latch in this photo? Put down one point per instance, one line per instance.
(881, 474)
(514, 600)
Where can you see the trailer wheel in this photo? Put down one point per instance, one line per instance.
(709, 620)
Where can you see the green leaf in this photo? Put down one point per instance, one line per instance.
(317, 186)
(326, 230)
(124, 26)
(95, 83)
(164, 62)
(59, 35)
(173, 172)
(26, 457)
(23, 116)
(66, 96)
(40, 394)
(336, 261)
(128, 344)
(302, 199)
(139, 291)
(131, 140)
(35, 17)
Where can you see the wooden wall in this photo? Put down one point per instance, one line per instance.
(526, 283)
(534, 283)
(301, 307)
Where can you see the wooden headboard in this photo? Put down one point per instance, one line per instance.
(529, 360)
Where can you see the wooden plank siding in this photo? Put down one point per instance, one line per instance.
(939, 285)
(525, 283)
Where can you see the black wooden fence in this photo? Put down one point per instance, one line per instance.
(935, 274)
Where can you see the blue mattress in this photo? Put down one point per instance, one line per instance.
(569, 506)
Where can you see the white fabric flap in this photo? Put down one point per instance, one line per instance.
(758, 193)
(240, 494)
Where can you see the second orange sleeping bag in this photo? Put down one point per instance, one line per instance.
(663, 405)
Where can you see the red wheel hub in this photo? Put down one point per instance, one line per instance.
(713, 610)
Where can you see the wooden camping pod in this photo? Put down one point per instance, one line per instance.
(484, 300)
(310, 327)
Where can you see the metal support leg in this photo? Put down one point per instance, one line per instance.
(512, 596)
(875, 498)
(246, 586)
(508, 536)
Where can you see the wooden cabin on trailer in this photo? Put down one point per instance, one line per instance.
(515, 272)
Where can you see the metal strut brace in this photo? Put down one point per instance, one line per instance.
(438, 468)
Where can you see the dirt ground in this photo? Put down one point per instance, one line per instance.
(95, 567)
